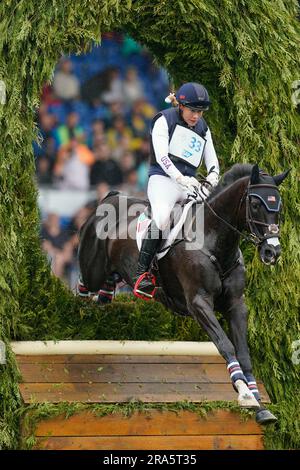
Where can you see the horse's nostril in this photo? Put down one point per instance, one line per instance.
(269, 253)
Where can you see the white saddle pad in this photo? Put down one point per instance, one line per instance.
(177, 232)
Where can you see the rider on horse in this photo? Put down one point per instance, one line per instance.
(180, 141)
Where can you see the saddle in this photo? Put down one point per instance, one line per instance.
(180, 228)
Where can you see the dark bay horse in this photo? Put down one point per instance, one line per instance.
(200, 281)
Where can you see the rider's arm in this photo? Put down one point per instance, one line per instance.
(160, 141)
(211, 159)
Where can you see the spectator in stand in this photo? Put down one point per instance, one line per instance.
(93, 88)
(72, 169)
(127, 162)
(142, 174)
(44, 171)
(66, 85)
(66, 132)
(143, 108)
(134, 176)
(117, 132)
(130, 185)
(125, 144)
(115, 110)
(55, 244)
(98, 136)
(77, 221)
(143, 152)
(99, 111)
(132, 87)
(140, 127)
(102, 190)
(105, 169)
(71, 265)
(48, 98)
(115, 92)
(47, 123)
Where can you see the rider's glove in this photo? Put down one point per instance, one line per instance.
(188, 182)
(204, 191)
(212, 179)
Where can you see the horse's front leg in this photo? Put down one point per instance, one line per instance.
(201, 308)
(237, 315)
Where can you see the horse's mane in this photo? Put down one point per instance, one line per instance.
(239, 170)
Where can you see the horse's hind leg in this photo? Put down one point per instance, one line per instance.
(82, 290)
(107, 290)
(104, 295)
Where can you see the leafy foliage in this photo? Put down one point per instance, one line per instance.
(247, 54)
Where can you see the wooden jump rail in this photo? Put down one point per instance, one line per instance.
(103, 372)
(145, 348)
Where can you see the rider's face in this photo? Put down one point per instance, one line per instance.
(191, 117)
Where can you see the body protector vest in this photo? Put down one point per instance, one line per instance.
(186, 144)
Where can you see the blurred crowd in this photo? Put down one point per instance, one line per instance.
(94, 125)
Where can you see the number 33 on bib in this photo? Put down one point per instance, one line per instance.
(186, 145)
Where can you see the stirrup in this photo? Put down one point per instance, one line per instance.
(141, 294)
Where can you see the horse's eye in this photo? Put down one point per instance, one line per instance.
(254, 205)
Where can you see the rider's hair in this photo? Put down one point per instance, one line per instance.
(172, 99)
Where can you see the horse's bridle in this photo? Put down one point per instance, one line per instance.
(255, 236)
(272, 229)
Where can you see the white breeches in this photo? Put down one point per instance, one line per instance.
(163, 193)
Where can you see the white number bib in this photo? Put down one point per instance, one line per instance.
(187, 145)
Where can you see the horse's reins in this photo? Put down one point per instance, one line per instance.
(203, 201)
(251, 239)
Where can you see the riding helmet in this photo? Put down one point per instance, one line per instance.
(193, 95)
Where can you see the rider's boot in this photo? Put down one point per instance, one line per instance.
(144, 281)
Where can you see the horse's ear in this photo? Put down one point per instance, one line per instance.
(279, 178)
(254, 174)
